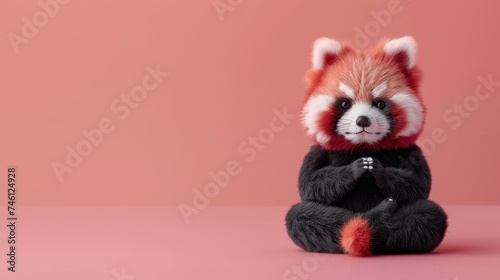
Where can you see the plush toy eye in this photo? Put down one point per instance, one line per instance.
(380, 104)
(345, 104)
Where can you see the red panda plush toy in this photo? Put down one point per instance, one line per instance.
(364, 184)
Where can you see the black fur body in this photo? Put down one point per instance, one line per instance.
(391, 193)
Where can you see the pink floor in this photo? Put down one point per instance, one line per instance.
(226, 243)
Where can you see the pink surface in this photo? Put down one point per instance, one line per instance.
(66, 84)
(229, 71)
(228, 243)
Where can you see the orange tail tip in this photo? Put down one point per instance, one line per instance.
(356, 237)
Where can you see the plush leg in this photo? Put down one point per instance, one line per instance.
(416, 228)
(413, 228)
(316, 227)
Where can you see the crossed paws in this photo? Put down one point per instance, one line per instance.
(364, 164)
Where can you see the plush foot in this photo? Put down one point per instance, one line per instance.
(383, 210)
(368, 233)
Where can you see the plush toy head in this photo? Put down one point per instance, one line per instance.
(366, 99)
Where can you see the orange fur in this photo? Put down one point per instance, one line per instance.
(363, 71)
(356, 237)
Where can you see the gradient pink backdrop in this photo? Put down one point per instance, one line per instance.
(227, 75)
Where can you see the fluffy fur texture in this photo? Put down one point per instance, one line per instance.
(364, 185)
(355, 237)
(341, 74)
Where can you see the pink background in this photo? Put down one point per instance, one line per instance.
(227, 74)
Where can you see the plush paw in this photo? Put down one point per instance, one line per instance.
(371, 163)
(387, 205)
(373, 166)
(359, 167)
(380, 213)
(368, 163)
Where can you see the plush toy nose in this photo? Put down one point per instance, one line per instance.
(363, 121)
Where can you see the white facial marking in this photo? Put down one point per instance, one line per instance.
(315, 106)
(378, 90)
(355, 134)
(413, 111)
(347, 90)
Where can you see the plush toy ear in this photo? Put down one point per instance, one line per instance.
(403, 50)
(325, 52)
